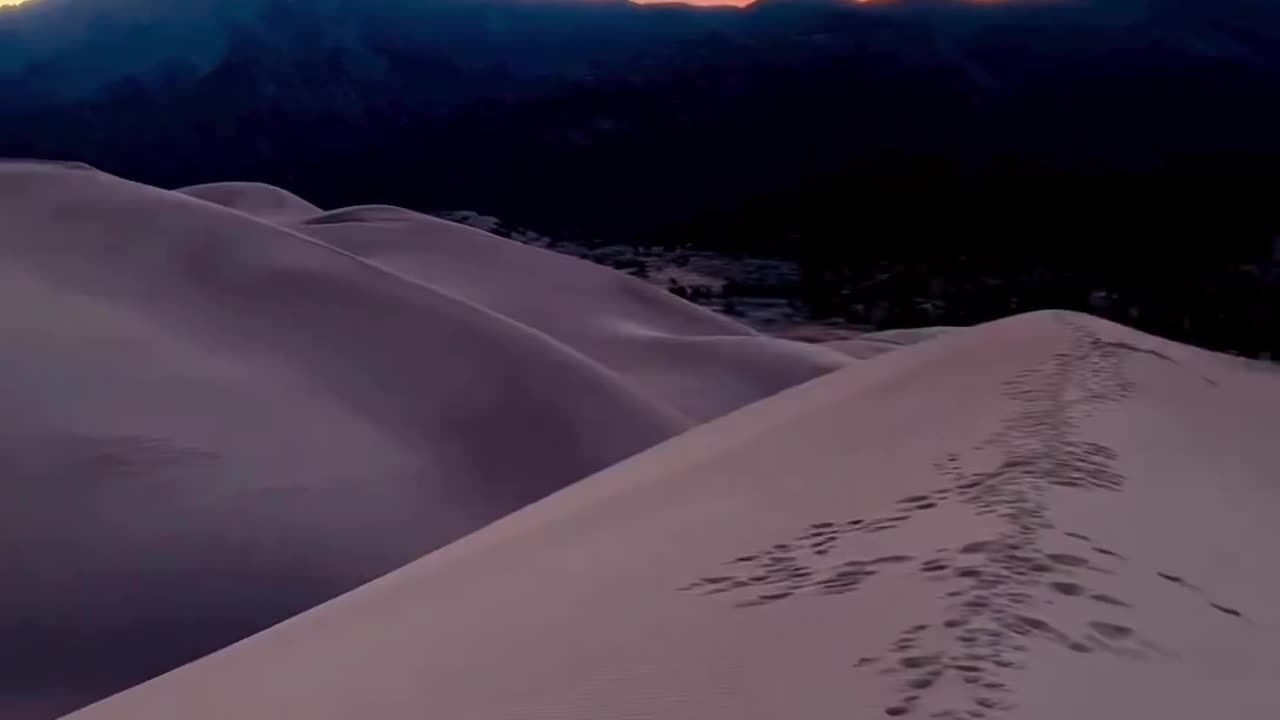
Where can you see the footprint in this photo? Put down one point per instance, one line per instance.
(892, 559)
(1224, 609)
(1109, 600)
(1111, 631)
(1067, 588)
(916, 662)
(923, 682)
(1041, 626)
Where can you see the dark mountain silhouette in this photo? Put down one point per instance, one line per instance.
(1093, 135)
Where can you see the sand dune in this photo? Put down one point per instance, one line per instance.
(869, 345)
(698, 362)
(261, 201)
(212, 420)
(1050, 517)
(907, 336)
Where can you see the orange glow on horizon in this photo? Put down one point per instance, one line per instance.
(704, 3)
(744, 3)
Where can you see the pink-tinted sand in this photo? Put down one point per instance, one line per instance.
(1049, 517)
(222, 406)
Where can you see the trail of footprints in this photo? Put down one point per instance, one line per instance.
(996, 588)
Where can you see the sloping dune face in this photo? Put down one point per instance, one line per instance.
(211, 422)
(699, 363)
(262, 201)
(1048, 517)
(869, 345)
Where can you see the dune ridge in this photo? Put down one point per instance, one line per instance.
(1047, 517)
(213, 419)
(257, 199)
(701, 363)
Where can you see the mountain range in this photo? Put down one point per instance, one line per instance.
(824, 130)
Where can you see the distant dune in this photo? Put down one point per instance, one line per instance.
(261, 201)
(222, 406)
(1049, 517)
(869, 345)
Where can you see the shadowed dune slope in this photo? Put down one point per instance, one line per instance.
(1049, 517)
(209, 422)
(869, 345)
(907, 336)
(698, 362)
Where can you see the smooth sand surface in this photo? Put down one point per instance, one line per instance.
(698, 362)
(1049, 517)
(872, 344)
(211, 420)
(907, 336)
(262, 201)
